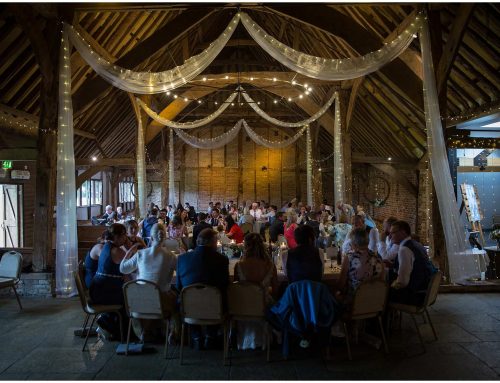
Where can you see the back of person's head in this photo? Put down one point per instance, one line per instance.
(359, 238)
(176, 220)
(115, 230)
(279, 216)
(343, 218)
(201, 217)
(304, 235)
(402, 225)
(214, 210)
(254, 247)
(292, 218)
(390, 220)
(131, 223)
(109, 207)
(223, 211)
(207, 237)
(154, 212)
(359, 220)
(230, 221)
(289, 204)
(314, 215)
(157, 227)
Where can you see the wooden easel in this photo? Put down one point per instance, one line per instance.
(470, 200)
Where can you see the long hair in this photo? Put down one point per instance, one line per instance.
(255, 248)
(230, 222)
(114, 230)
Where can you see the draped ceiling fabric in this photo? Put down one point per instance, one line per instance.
(338, 160)
(326, 68)
(66, 234)
(462, 265)
(151, 82)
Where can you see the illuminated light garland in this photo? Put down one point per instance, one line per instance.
(141, 168)
(171, 178)
(338, 169)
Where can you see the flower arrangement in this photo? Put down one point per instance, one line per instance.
(378, 202)
(495, 235)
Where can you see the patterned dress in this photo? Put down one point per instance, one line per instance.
(362, 267)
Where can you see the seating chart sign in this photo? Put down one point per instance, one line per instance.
(471, 200)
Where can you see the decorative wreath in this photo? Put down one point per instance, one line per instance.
(378, 201)
(149, 193)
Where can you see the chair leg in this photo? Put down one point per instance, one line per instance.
(347, 341)
(432, 325)
(267, 330)
(166, 339)
(182, 344)
(17, 297)
(88, 332)
(84, 327)
(121, 326)
(418, 332)
(227, 342)
(224, 353)
(383, 334)
(128, 335)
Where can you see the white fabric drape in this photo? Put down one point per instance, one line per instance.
(171, 180)
(338, 160)
(141, 167)
(66, 234)
(462, 264)
(330, 69)
(188, 125)
(277, 122)
(150, 82)
(309, 167)
(227, 137)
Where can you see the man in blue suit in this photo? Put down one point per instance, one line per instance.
(204, 265)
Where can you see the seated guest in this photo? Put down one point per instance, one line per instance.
(289, 229)
(170, 212)
(213, 220)
(155, 264)
(255, 212)
(222, 236)
(233, 231)
(304, 261)
(185, 218)
(163, 217)
(92, 259)
(233, 211)
(303, 216)
(109, 216)
(386, 248)
(199, 227)
(359, 223)
(314, 222)
(132, 239)
(277, 227)
(203, 265)
(119, 216)
(412, 267)
(358, 266)
(341, 230)
(246, 218)
(147, 223)
(255, 266)
(177, 230)
(106, 286)
(192, 214)
(210, 207)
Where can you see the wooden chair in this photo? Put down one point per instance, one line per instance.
(143, 301)
(10, 272)
(429, 300)
(369, 302)
(92, 309)
(246, 302)
(202, 305)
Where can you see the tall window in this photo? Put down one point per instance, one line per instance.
(126, 192)
(90, 193)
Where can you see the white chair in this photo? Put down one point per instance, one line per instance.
(10, 272)
(92, 309)
(143, 301)
(246, 302)
(202, 305)
(429, 300)
(368, 302)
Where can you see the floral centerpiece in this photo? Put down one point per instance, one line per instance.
(233, 249)
(495, 235)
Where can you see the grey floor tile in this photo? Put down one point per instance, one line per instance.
(488, 352)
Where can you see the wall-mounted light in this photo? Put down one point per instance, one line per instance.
(264, 168)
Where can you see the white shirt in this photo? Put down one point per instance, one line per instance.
(268, 215)
(387, 250)
(155, 264)
(372, 245)
(255, 214)
(405, 259)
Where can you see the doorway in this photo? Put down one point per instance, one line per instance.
(11, 233)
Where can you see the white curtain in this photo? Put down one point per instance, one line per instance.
(171, 179)
(141, 167)
(462, 264)
(309, 167)
(66, 234)
(259, 140)
(331, 69)
(150, 82)
(338, 160)
(188, 125)
(277, 122)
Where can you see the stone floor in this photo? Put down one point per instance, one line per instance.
(38, 344)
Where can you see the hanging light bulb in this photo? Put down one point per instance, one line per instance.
(94, 158)
(185, 99)
(204, 79)
(168, 93)
(199, 101)
(175, 96)
(275, 101)
(289, 99)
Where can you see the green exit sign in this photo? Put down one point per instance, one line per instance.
(7, 164)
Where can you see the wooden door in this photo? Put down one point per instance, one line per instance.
(10, 216)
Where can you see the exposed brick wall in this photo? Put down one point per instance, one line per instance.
(33, 284)
(400, 204)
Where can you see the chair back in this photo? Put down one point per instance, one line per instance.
(200, 301)
(246, 228)
(172, 245)
(81, 274)
(142, 298)
(10, 265)
(332, 252)
(432, 289)
(246, 299)
(369, 299)
(82, 291)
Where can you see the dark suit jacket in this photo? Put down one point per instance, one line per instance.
(276, 229)
(196, 231)
(304, 262)
(203, 265)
